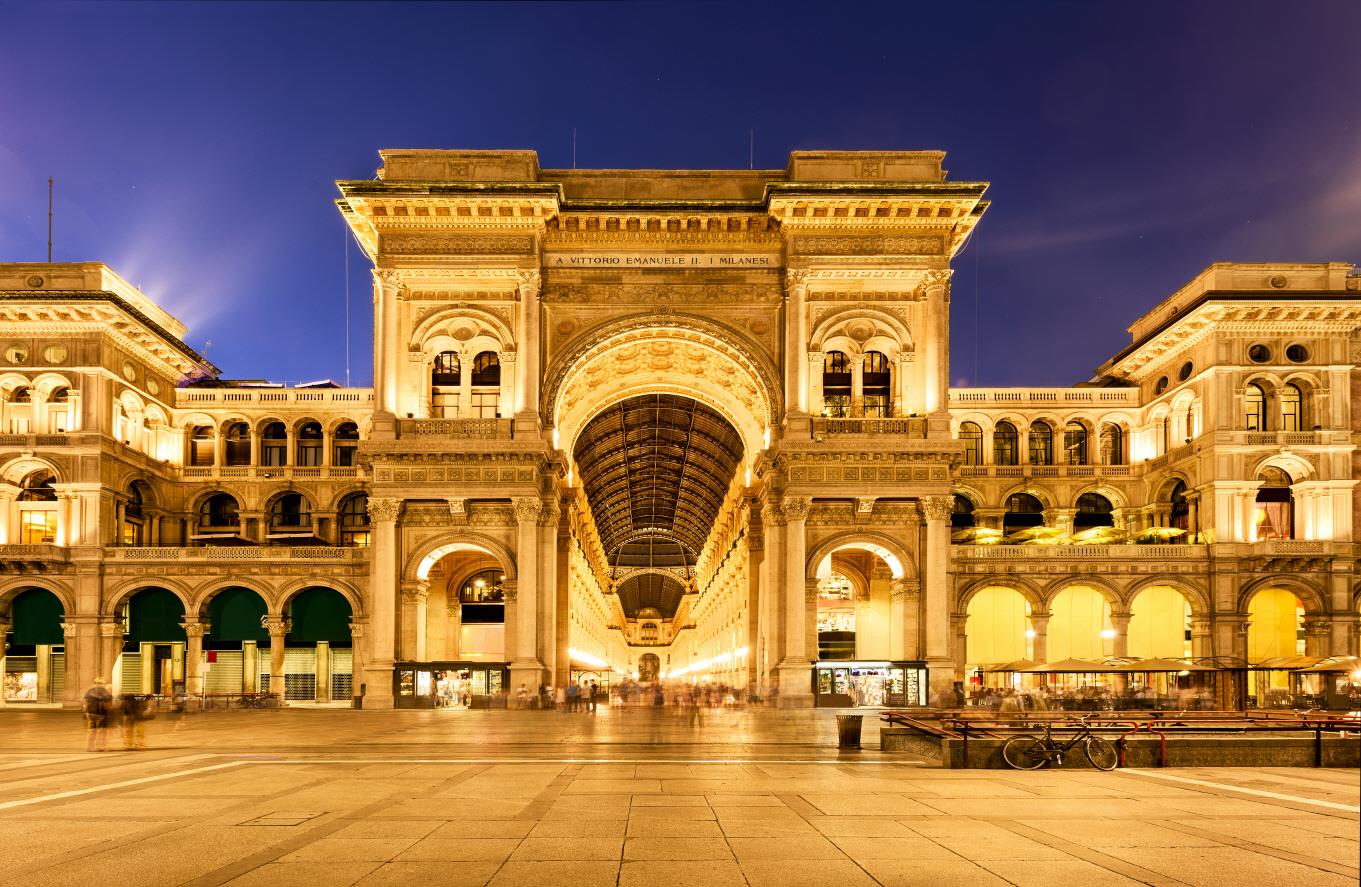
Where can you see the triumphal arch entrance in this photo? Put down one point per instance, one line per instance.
(638, 425)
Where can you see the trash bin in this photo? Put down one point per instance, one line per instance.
(848, 730)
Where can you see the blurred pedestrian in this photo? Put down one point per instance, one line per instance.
(595, 688)
(137, 710)
(573, 696)
(96, 704)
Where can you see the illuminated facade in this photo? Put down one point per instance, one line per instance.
(695, 424)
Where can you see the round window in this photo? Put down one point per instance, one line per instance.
(16, 354)
(1259, 353)
(1296, 354)
(1161, 386)
(1185, 372)
(129, 371)
(55, 353)
(153, 386)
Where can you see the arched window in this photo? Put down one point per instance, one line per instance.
(132, 531)
(1255, 405)
(289, 512)
(972, 436)
(486, 370)
(483, 588)
(274, 444)
(309, 445)
(1113, 444)
(1292, 408)
(1041, 443)
(59, 410)
(836, 617)
(1004, 444)
(961, 515)
(876, 384)
(1275, 511)
(1075, 443)
(648, 633)
(37, 508)
(445, 371)
(346, 444)
(202, 445)
(236, 449)
(219, 511)
(1093, 510)
(1023, 511)
(1179, 512)
(22, 394)
(836, 384)
(354, 521)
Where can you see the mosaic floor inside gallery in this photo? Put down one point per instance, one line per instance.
(631, 798)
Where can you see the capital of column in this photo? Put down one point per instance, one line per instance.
(528, 282)
(904, 589)
(384, 510)
(812, 588)
(936, 508)
(416, 355)
(527, 508)
(1120, 620)
(817, 357)
(795, 281)
(506, 357)
(937, 278)
(356, 630)
(454, 610)
(509, 590)
(415, 592)
(195, 629)
(389, 280)
(796, 508)
(111, 629)
(277, 628)
(1039, 622)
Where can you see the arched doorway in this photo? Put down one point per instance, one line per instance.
(1159, 624)
(152, 658)
(32, 652)
(317, 655)
(236, 632)
(1276, 638)
(1080, 625)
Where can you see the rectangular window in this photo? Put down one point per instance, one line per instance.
(344, 455)
(37, 527)
(484, 406)
(309, 454)
(275, 453)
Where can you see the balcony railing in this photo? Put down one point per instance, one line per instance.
(1042, 397)
(35, 441)
(1045, 471)
(1079, 552)
(908, 427)
(43, 553)
(198, 396)
(277, 472)
(238, 553)
(457, 429)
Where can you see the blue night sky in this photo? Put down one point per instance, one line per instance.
(195, 146)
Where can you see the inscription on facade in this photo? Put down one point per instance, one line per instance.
(660, 260)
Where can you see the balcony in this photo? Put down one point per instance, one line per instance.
(31, 558)
(273, 472)
(42, 441)
(1019, 471)
(254, 553)
(1079, 552)
(190, 397)
(911, 427)
(1043, 397)
(456, 429)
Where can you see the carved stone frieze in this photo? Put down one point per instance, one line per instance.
(456, 244)
(647, 293)
(527, 508)
(871, 245)
(383, 509)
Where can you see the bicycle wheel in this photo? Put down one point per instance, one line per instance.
(1024, 753)
(1101, 753)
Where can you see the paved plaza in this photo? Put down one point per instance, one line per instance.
(637, 797)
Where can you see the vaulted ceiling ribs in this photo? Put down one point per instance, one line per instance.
(657, 466)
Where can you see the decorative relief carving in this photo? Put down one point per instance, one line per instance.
(195, 629)
(382, 509)
(456, 244)
(527, 508)
(937, 277)
(795, 508)
(873, 245)
(937, 508)
(529, 283)
(700, 294)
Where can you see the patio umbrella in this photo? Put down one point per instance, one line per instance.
(1100, 536)
(1073, 666)
(1018, 665)
(1160, 534)
(1335, 664)
(977, 535)
(1042, 535)
(1151, 665)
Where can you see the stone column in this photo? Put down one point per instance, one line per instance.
(857, 362)
(1120, 644)
(904, 602)
(278, 636)
(383, 617)
(453, 639)
(357, 674)
(528, 348)
(795, 672)
(505, 400)
(1318, 636)
(4, 645)
(387, 285)
(1039, 644)
(526, 667)
(111, 647)
(936, 348)
(902, 403)
(1192, 517)
(815, 359)
(510, 591)
(322, 666)
(796, 341)
(193, 657)
(1202, 638)
(414, 598)
(465, 384)
(936, 510)
(811, 593)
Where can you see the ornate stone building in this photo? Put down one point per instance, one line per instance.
(685, 424)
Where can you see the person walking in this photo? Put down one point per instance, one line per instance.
(573, 696)
(96, 704)
(595, 689)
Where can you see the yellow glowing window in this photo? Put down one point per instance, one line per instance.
(37, 527)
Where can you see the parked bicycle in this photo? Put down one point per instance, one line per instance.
(1033, 752)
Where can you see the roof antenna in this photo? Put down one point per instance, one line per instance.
(751, 148)
(574, 147)
(347, 305)
(49, 220)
